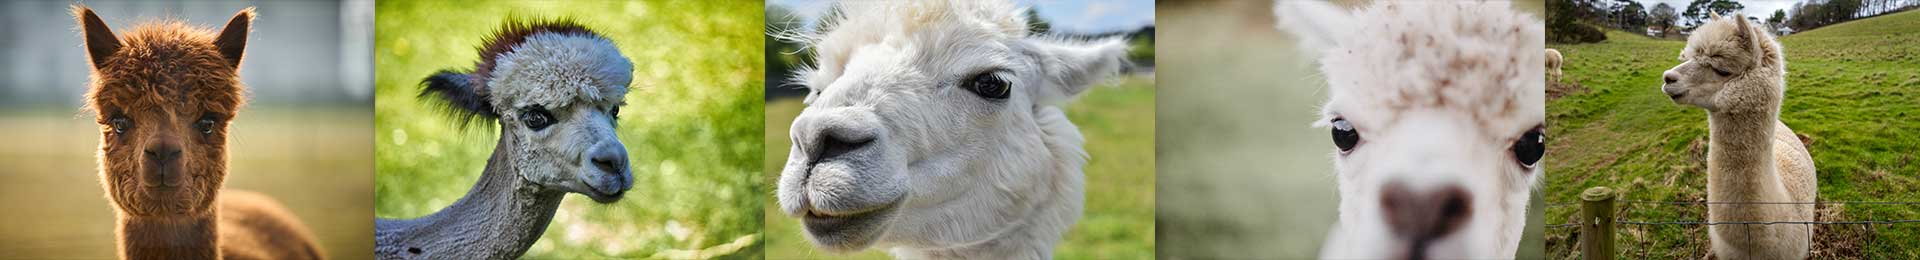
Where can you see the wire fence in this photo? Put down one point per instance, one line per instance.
(1600, 211)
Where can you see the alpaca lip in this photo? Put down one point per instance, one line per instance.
(846, 231)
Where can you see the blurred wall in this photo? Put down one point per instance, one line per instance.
(300, 52)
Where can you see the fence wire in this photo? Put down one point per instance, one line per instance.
(1621, 211)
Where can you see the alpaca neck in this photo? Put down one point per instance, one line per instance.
(169, 237)
(1057, 203)
(499, 218)
(1740, 166)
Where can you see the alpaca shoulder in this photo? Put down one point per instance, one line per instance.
(254, 226)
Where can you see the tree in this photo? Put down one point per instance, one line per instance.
(1037, 24)
(1778, 19)
(1630, 16)
(1662, 15)
(1700, 10)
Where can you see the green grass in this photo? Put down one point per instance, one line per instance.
(691, 125)
(1118, 122)
(1852, 88)
(312, 159)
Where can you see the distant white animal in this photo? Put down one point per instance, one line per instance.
(1554, 61)
(1437, 113)
(934, 129)
(1738, 74)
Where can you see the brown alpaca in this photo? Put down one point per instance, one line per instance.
(163, 95)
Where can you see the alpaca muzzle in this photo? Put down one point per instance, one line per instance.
(162, 166)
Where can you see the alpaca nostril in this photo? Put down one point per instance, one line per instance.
(1671, 79)
(1422, 215)
(163, 153)
(609, 163)
(833, 145)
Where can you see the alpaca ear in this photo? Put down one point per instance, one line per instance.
(457, 93)
(101, 43)
(1317, 25)
(1072, 67)
(232, 41)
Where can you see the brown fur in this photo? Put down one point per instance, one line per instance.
(163, 95)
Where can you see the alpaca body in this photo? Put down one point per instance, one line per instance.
(1554, 61)
(164, 94)
(555, 89)
(1738, 74)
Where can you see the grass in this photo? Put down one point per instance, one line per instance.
(312, 159)
(691, 125)
(1851, 88)
(1118, 121)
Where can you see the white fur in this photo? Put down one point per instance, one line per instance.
(1439, 92)
(580, 79)
(947, 174)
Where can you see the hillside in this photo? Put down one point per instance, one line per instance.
(1852, 89)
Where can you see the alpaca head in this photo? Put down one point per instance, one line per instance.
(925, 122)
(556, 90)
(163, 95)
(1728, 65)
(1436, 111)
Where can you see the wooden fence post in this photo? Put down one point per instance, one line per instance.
(1596, 227)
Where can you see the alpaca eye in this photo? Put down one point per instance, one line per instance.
(205, 125)
(536, 118)
(1722, 73)
(1530, 147)
(1344, 136)
(988, 85)
(120, 124)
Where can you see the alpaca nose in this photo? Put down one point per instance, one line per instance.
(1671, 77)
(834, 133)
(1425, 214)
(610, 161)
(162, 162)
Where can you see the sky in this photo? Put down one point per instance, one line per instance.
(1760, 9)
(1081, 16)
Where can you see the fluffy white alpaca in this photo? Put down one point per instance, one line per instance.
(1738, 74)
(933, 129)
(1554, 62)
(1436, 110)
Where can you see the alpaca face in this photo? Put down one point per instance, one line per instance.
(1436, 113)
(1721, 55)
(163, 96)
(925, 123)
(559, 95)
(556, 90)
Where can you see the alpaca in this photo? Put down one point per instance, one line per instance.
(556, 89)
(164, 94)
(1437, 115)
(935, 130)
(1553, 65)
(1738, 74)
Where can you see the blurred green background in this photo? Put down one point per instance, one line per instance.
(1254, 180)
(302, 139)
(691, 126)
(1116, 117)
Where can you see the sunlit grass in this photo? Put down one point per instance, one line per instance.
(691, 125)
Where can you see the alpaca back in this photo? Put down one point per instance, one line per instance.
(254, 226)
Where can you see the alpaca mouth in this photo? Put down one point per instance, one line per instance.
(846, 231)
(602, 196)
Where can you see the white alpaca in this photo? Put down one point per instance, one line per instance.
(1436, 110)
(933, 129)
(1554, 62)
(1738, 74)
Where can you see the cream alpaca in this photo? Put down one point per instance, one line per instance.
(1554, 61)
(1738, 74)
(934, 129)
(1437, 113)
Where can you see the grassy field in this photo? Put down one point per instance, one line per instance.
(1118, 122)
(1852, 89)
(312, 159)
(691, 126)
